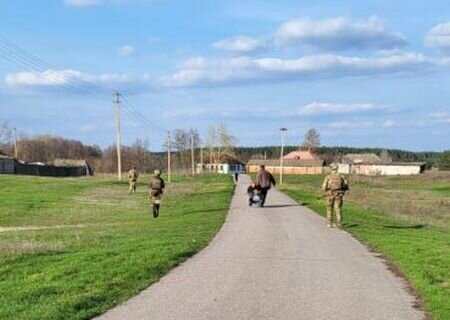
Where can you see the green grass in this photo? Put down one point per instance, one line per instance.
(100, 246)
(420, 251)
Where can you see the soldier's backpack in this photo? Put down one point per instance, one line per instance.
(336, 182)
(133, 175)
(156, 184)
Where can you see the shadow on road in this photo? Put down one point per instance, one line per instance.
(281, 205)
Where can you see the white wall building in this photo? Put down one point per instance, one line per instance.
(371, 165)
(225, 165)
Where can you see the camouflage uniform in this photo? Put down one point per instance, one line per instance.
(156, 186)
(133, 175)
(335, 186)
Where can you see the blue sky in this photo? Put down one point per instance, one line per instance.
(363, 73)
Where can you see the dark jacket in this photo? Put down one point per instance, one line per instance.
(264, 179)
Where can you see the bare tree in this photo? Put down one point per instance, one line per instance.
(6, 134)
(312, 139)
(211, 142)
(220, 139)
(227, 142)
(385, 156)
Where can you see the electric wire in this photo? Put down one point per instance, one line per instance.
(23, 58)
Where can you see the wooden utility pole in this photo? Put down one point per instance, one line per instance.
(16, 153)
(283, 131)
(192, 155)
(116, 101)
(210, 158)
(201, 155)
(169, 154)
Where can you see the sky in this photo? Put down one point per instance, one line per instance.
(363, 73)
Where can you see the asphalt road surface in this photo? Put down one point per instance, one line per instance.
(276, 262)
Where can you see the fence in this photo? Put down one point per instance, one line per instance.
(51, 171)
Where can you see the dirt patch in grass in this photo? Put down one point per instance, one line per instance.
(20, 247)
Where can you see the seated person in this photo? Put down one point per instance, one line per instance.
(253, 192)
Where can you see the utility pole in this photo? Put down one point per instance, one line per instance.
(192, 155)
(283, 132)
(15, 144)
(201, 155)
(116, 101)
(169, 154)
(210, 157)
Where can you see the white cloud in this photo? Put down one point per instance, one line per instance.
(241, 44)
(77, 81)
(440, 117)
(439, 36)
(320, 108)
(389, 124)
(339, 33)
(126, 50)
(61, 77)
(244, 69)
(82, 3)
(350, 124)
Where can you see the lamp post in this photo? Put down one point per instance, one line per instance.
(283, 132)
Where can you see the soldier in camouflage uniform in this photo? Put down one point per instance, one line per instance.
(335, 187)
(156, 186)
(133, 175)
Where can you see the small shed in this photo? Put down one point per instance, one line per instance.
(7, 164)
(372, 165)
(82, 165)
(226, 164)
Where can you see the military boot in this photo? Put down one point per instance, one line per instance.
(155, 210)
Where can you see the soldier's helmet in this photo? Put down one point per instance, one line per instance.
(334, 167)
(157, 172)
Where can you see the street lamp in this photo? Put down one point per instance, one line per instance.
(283, 132)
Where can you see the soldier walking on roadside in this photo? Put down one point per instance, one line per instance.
(156, 186)
(335, 187)
(133, 175)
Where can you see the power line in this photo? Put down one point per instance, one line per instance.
(29, 60)
(36, 65)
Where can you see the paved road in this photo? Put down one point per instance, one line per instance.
(277, 262)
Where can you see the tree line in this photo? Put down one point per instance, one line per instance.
(217, 142)
(48, 148)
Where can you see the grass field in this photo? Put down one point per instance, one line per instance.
(72, 248)
(407, 219)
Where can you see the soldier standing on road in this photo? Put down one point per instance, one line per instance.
(335, 187)
(264, 180)
(156, 186)
(133, 175)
